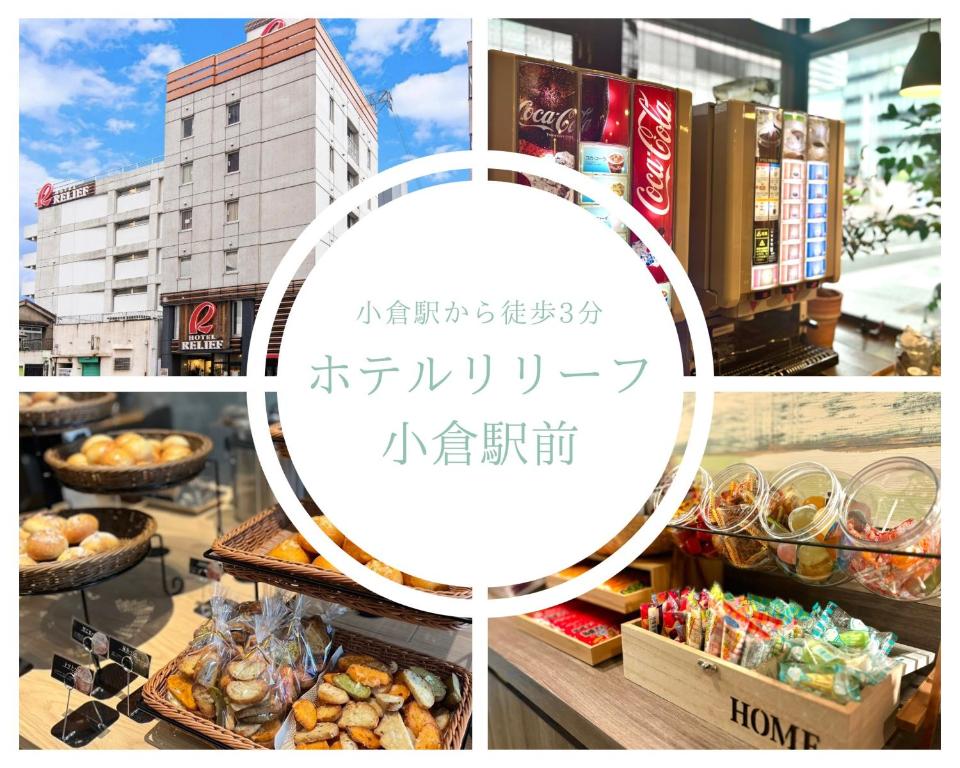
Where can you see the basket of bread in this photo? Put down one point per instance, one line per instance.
(268, 543)
(128, 462)
(52, 410)
(68, 550)
(274, 674)
(279, 444)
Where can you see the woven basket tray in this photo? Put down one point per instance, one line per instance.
(155, 693)
(97, 479)
(88, 406)
(243, 553)
(279, 444)
(134, 529)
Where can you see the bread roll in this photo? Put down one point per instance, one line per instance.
(174, 452)
(170, 440)
(98, 542)
(386, 571)
(355, 552)
(413, 581)
(94, 452)
(79, 526)
(141, 450)
(321, 562)
(116, 457)
(46, 545)
(126, 438)
(72, 553)
(25, 401)
(289, 550)
(44, 522)
(40, 397)
(78, 460)
(26, 560)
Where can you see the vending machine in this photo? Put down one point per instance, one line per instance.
(631, 136)
(765, 228)
(766, 223)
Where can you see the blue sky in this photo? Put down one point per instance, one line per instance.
(92, 90)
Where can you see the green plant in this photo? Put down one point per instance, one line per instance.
(915, 159)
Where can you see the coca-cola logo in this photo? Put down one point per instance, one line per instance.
(45, 196)
(655, 132)
(547, 119)
(201, 319)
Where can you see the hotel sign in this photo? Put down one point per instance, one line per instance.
(203, 335)
(48, 196)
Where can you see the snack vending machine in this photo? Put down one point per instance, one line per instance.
(629, 135)
(767, 205)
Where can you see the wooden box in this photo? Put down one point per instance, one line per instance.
(657, 575)
(759, 710)
(589, 654)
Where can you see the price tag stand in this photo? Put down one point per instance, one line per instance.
(81, 726)
(129, 705)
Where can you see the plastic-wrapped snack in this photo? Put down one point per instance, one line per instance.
(734, 634)
(832, 682)
(694, 628)
(839, 628)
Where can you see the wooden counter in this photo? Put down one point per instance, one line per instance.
(134, 608)
(541, 698)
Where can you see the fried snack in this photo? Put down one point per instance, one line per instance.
(246, 691)
(354, 689)
(267, 731)
(419, 689)
(320, 732)
(358, 713)
(368, 676)
(345, 742)
(393, 733)
(182, 690)
(429, 737)
(399, 689)
(328, 693)
(206, 703)
(389, 702)
(365, 737)
(434, 681)
(417, 717)
(305, 713)
(328, 713)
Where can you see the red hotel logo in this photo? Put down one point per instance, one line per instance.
(201, 319)
(273, 26)
(45, 196)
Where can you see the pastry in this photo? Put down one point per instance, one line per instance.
(72, 553)
(116, 457)
(355, 552)
(101, 541)
(46, 545)
(79, 526)
(290, 551)
(77, 460)
(174, 440)
(386, 571)
(174, 453)
(44, 522)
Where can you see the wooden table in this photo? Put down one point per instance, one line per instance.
(860, 355)
(541, 698)
(134, 608)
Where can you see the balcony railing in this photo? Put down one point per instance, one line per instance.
(31, 345)
(353, 147)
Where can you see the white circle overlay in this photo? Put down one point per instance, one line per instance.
(258, 383)
(503, 401)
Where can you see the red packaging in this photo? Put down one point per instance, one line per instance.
(654, 155)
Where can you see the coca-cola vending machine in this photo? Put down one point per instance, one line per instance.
(766, 227)
(631, 136)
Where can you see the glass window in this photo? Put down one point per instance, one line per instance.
(238, 318)
(662, 54)
(369, 158)
(514, 37)
(184, 267)
(332, 159)
(233, 113)
(894, 280)
(186, 218)
(333, 107)
(233, 161)
(352, 219)
(230, 261)
(232, 211)
(186, 173)
(186, 127)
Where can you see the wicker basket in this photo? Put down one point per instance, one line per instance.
(155, 693)
(98, 479)
(134, 529)
(87, 407)
(279, 444)
(243, 553)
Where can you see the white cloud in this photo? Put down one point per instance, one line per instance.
(376, 39)
(45, 88)
(158, 59)
(451, 36)
(48, 34)
(116, 125)
(32, 177)
(436, 102)
(83, 168)
(52, 147)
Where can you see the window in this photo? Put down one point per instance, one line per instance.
(353, 178)
(184, 267)
(514, 37)
(129, 265)
(352, 219)
(369, 158)
(233, 113)
(121, 364)
(233, 161)
(130, 291)
(186, 219)
(353, 142)
(238, 318)
(332, 108)
(186, 173)
(332, 158)
(186, 127)
(230, 262)
(232, 211)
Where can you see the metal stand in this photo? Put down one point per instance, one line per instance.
(83, 725)
(216, 488)
(159, 550)
(129, 705)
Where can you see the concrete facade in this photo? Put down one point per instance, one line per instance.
(97, 269)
